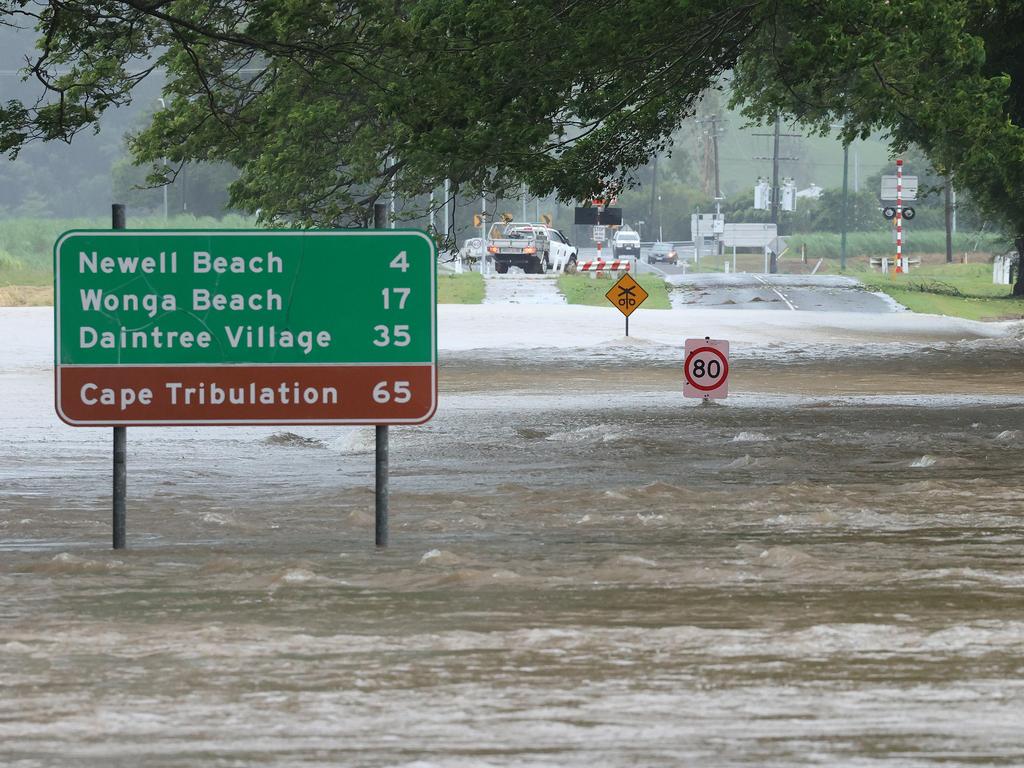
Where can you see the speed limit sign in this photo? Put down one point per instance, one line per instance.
(706, 368)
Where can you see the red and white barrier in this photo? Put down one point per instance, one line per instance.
(600, 265)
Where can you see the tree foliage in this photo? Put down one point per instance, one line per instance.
(944, 76)
(325, 107)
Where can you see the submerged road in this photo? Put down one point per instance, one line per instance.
(518, 288)
(742, 290)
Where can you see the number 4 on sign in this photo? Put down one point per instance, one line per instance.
(706, 369)
(401, 261)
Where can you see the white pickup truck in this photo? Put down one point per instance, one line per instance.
(626, 243)
(534, 248)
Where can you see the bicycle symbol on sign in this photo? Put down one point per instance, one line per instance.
(626, 297)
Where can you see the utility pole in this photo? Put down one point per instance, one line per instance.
(776, 192)
(776, 158)
(447, 203)
(714, 145)
(654, 192)
(718, 181)
(949, 219)
(952, 194)
(846, 178)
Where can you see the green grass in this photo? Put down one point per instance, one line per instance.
(827, 244)
(467, 288)
(959, 290)
(26, 245)
(583, 289)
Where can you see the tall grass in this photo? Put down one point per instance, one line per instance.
(26, 245)
(8, 262)
(827, 244)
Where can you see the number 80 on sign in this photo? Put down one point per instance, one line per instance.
(706, 369)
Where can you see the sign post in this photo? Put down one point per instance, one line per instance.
(245, 327)
(381, 497)
(626, 296)
(706, 369)
(120, 490)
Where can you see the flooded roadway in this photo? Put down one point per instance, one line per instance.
(744, 290)
(828, 569)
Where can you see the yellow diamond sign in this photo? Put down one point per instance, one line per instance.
(626, 295)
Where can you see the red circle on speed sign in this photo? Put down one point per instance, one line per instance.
(692, 359)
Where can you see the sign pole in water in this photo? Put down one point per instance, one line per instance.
(380, 532)
(120, 492)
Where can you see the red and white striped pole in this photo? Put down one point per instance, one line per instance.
(899, 216)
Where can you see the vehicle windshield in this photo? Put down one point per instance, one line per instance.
(632, 236)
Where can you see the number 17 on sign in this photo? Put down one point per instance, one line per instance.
(706, 369)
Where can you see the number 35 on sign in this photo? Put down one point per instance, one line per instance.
(706, 369)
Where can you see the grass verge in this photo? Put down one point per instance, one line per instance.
(583, 289)
(958, 290)
(826, 245)
(467, 288)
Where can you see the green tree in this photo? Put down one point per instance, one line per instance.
(944, 76)
(325, 108)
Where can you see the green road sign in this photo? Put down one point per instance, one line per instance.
(260, 326)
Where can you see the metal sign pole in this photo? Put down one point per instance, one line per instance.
(120, 440)
(381, 464)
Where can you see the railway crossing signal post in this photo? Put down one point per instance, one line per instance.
(899, 189)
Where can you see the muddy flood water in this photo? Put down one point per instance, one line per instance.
(586, 570)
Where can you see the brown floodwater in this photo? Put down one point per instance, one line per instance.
(586, 570)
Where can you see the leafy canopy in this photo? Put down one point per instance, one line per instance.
(325, 107)
(944, 76)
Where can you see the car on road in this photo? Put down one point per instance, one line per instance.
(626, 243)
(534, 248)
(665, 252)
